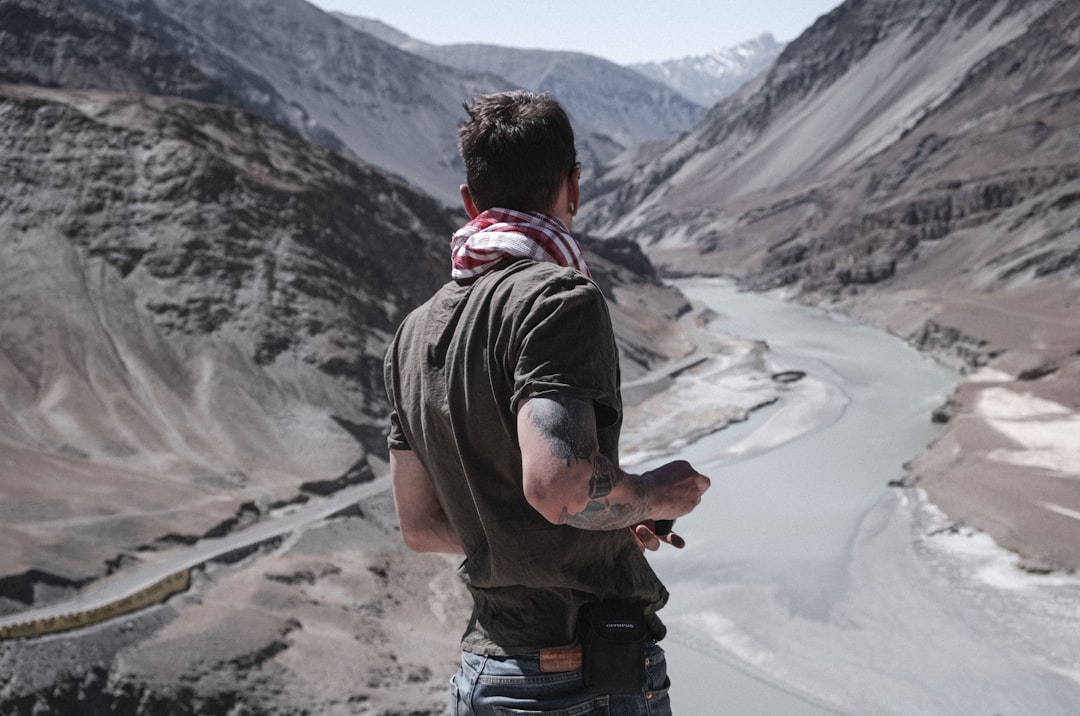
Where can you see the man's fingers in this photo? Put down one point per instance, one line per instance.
(674, 540)
(646, 538)
(649, 540)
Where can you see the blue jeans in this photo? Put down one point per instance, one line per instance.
(505, 686)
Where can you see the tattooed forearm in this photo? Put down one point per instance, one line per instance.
(602, 514)
(594, 493)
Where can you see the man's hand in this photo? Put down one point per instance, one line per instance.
(675, 489)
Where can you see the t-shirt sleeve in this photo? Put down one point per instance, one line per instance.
(395, 439)
(565, 344)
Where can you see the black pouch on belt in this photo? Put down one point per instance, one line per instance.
(613, 637)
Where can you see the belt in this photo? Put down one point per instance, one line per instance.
(560, 658)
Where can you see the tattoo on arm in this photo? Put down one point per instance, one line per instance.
(564, 423)
(567, 426)
(601, 513)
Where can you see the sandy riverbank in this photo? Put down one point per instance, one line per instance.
(1008, 462)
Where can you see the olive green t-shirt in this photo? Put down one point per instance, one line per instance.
(456, 372)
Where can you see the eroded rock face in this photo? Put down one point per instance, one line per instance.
(219, 222)
(196, 304)
(56, 43)
(184, 272)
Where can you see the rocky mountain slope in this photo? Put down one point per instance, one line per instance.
(291, 62)
(58, 43)
(192, 296)
(861, 142)
(916, 164)
(709, 78)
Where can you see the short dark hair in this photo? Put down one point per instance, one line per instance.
(518, 149)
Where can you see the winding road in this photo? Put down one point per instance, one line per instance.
(124, 585)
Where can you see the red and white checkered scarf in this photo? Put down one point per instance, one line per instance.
(498, 234)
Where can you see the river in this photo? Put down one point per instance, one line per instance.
(809, 586)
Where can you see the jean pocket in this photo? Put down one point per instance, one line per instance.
(596, 706)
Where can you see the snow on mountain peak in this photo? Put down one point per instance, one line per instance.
(709, 78)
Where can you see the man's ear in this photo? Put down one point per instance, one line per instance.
(467, 201)
(573, 192)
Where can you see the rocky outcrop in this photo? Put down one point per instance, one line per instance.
(953, 346)
(196, 302)
(67, 44)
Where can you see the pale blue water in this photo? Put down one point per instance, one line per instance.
(799, 593)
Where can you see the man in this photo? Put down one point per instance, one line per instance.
(504, 436)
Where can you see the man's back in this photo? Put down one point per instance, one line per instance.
(457, 370)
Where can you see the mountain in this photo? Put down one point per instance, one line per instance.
(293, 63)
(342, 87)
(914, 164)
(707, 79)
(613, 107)
(885, 135)
(195, 297)
(874, 132)
(38, 46)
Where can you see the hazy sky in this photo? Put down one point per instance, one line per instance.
(623, 31)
